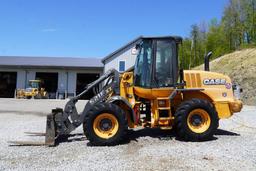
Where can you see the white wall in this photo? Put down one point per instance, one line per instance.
(71, 82)
(62, 80)
(21, 79)
(125, 55)
(31, 75)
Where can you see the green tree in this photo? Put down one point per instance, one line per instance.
(186, 52)
(194, 36)
(235, 30)
(232, 24)
(216, 41)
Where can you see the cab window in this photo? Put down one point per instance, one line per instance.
(143, 65)
(165, 52)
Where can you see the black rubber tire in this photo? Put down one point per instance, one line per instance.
(46, 96)
(181, 115)
(38, 96)
(105, 108)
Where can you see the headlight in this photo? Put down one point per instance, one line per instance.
(237, 90)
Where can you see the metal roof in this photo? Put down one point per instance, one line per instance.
(63, 62)
(178, 39)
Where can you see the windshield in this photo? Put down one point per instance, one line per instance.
(34, 84)
(156, 64)
(143, 65)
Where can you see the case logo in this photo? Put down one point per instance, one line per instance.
(214, 81)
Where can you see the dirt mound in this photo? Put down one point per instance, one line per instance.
(241, 67)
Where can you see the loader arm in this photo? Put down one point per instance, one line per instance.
(69, 119)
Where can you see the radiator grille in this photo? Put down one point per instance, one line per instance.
(193, 80)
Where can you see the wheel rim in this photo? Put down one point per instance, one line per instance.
(198, 121)
(105, 125)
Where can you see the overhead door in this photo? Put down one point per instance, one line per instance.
(49, 82)
(83, 79)
(8, 82)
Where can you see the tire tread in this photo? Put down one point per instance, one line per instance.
(182, 130)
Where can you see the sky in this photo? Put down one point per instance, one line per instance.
(94, 28)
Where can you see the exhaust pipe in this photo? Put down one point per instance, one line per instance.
(206, 61)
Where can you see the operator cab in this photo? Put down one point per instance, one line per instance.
(34, 84)
(156, 64)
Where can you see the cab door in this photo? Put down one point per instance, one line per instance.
(165, 67)
(155, 68)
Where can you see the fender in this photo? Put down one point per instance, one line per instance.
(114, 99)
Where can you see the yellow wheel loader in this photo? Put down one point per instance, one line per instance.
(34, 90)
(155, 94)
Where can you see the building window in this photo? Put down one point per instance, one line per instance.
(121, 66)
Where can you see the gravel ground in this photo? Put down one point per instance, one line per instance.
(233, 148)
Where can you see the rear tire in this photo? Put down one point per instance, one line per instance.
(196, 120)
(105, 125)
(28, 97)
(46, 96)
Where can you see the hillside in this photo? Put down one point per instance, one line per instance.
(241, 67)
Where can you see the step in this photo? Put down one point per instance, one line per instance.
(163, 98)
(164, 108)
(164, 118)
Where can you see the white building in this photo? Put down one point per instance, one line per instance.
(59, 75)
(123, 58)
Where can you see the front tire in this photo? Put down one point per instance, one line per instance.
(196, 120)
(46, 96)
(105, 125)
(38, 96)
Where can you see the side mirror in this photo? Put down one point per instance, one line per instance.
(206, 61)
(137, 46)
(135, 50)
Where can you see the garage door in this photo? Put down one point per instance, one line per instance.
(82, 81)
(8, 82)
(49, 82)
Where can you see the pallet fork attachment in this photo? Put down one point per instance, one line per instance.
(50, 135)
